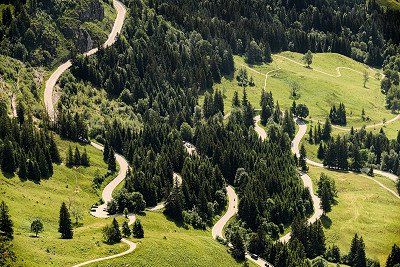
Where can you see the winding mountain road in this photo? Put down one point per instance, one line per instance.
(100, 212)
(304, 176)
(51, 82)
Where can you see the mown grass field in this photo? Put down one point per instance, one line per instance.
(166, 244)
(317, 90)
(364, 208)
(27, 201)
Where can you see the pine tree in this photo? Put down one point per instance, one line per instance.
(85, 159)
(310, 136)
(237, 241)
(326, 133)
(174, 204)
(106, 152)
(65, 226)
(126, 231)
(70, 157)
(112, 164)
(394, 257)
(326, 192)
(6, 224)
(302, 159)
(8, 164)
(321, 151)
(22, 169)
(235, 100)
(137, 230)
(218, 102)
(357, 160)
(77, 157)
(55, 154)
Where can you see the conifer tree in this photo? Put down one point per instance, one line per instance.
(6, 224)
(321, 151)
(106, 152)
(237, 241)
(326, 132)
(8, 164)
(70, 157)
(112, 164)
(175, 203)
(394, 257)
(22, 169)
(85, 159)
(302, 159)
(77, 157)
(65, 226)
(235, 100)
(326, 192)
(137, 230)
(126, 231)
(55, 154)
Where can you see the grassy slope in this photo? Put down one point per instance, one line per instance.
(28, 201)
(166, 244)
(364, 208)
(318, 91)
(391, 4)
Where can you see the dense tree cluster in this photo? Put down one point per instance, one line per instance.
(153, 65)
(311, 236)
(338, 115)
(359, 149)
(351, 28)
(24, 149)
(326, 192)
(72, 126)
(76, 158)
(39, 31)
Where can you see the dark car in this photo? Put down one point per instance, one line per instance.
(254, 256)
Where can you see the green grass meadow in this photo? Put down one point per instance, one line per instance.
(28, 200)
(364, 208)
(317, 90)
(167, 244)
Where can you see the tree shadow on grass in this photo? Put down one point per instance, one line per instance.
(177, 223)
(326, 221)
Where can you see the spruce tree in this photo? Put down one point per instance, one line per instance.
(235, 100)
(321, 151)
(126, 231)
(326, 132)
(174, 204)
(112, 164)
(237, 241)
(65, 226)
(22, 169)
(70, 157)
(106, 152)
(77, 157)
(394, 257)
(302, 159)
(8, 164)
(85, 159)
(137, 230)
(55, 154)
(6, 224)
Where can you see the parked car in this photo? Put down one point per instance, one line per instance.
(254, 256)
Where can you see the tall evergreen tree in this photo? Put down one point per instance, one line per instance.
(303, 159)
(6, 224)
(65, 226)
(137, 230)
(8, 164)
(394, 257)
(112, 164)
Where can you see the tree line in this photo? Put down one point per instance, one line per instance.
(25, 149)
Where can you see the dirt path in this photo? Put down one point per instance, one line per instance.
(339, 74)
(100, 212)
(51, 82)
